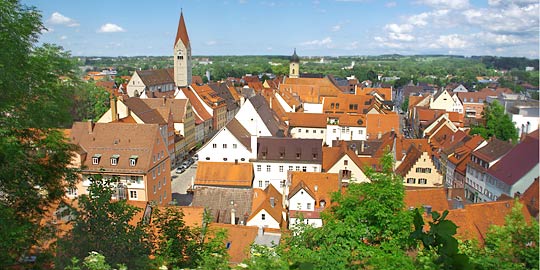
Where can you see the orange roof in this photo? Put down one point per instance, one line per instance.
(239, 240)
(307, 120)
(193, 215)
(209, 96)
(331, 155)
(310, 89)
(347, 103)
(385, 93)
(224, 174)
(381, 123)
(198, 107)
(475, 220)
(262, 201)
(181, 33)
(434, 197)
(403, 145)
(320, 185)
(530, 198)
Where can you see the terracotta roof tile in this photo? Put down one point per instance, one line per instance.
(181, 33)
(196, 104)
(318, 120)
(494, 149)
(434, 197)
(320, 185)
(239, 240)
(348, 103)
(310, 89)
(153, 77)
(530, 198)
(224, 174)
(413, 154)
(381, 124)
(147, 114)
(263, 201)
(385, 93)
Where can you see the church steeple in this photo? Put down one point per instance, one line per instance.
(294, 66)
(182, 55)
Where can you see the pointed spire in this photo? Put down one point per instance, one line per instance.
(295, 58)
(182, 34)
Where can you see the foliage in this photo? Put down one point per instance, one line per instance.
(179, 246)
(405, 105)
(89, 102)
(511, 246)
(103, 225)
(94, 261)
(33, 154)
(497, 123)
(439, 242)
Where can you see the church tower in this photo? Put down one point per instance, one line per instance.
(294, 66)
(182, 55)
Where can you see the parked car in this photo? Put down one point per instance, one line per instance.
(181, 169)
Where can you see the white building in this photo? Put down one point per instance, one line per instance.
(233, 143)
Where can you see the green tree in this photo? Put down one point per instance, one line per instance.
(179, 246)
(367, 228)
(33, 154)
(103, 225)
(497, 123)
(90, 102)
(511, 246)
(405, 105)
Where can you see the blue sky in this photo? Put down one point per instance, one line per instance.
(314, 28)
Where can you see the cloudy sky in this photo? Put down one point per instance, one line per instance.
(275, 27)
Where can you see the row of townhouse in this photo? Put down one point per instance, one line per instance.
(465, 108)
(484, 169)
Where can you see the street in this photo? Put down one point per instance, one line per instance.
(180, 184)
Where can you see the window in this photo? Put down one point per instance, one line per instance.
(214, 145)
(153, 174)
(411, 180)
(224, 146)
(315, 168)
(133, 194)
(114, 159)
(159, 169)
(334, 130)
(308, 206)
(307, 131)
(260, 183)
(133, 161)
(304, 168)
(266, 183)
(345, 162)
(234, 146)
(95, 159)
(314, 131)
(331, 105)
(154, 189)
(263, 216)
(159, 185)
(297, 168)
(290, 168)
(360, 132)
(259, 168)
(268, 168)
(322, 131)
(299, 130)
(337, 105)
(280, 168)
(299, 206)
(422, 181)
(164, 180)
(72, 191)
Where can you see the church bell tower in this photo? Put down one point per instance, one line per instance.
(182, 55)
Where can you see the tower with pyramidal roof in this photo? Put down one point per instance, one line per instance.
(182, 55)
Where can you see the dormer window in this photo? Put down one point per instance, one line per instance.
(114, 159)
(95, 159)
(133, 160)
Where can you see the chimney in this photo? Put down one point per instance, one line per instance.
(362, 147)
(316, 188)
(90, 126)
(272, 202)
(114, 110)
(233, 216)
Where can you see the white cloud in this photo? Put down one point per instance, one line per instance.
(57, 18)
(442, 4)
(110, 28)
(400, 36)
(63, 37)
(507, 18)
(324, 42)
(491, 39)
(336, 28)
(453, 41)
(398, 28)
(390, 4)
(211, 42)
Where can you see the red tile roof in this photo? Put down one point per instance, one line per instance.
(317, 120)
(181, 33)
(381, 123)
(434, 197)
(224, 174)
(530, 198)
